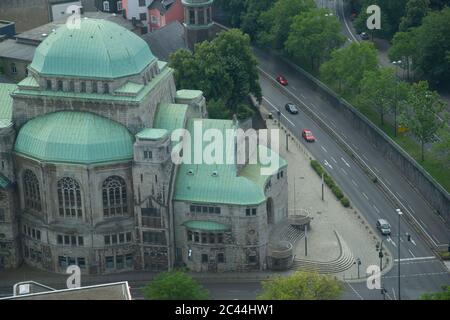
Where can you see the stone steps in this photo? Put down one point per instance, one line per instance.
(340, 264)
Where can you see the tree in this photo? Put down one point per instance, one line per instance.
(442, 148)
(378, 91)
(432, 45)
(218, 110)
(421, 111)
(402, 48)
(278, 19)
(233, 8)
(391, 14)
(444, 295)
(301, 286)
(415, 11)
(224, 69)
(312, 37)
(234, 50)
(250, 18)
(347, 66)
(174, 285)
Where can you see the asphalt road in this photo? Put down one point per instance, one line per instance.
(422, 271)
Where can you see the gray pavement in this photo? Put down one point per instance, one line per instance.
(363, 193)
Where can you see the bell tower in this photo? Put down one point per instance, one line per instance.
(197, 21)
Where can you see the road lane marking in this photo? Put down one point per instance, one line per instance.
(421, 221)
(314, 105)
(393, 291)
(376, 209)
(416, 258)
(333, 124)
(344, 171)
(354, 146)
(355, 291)
(273, 106)
(354, 182)
(346, 163)
(324, 149)
(413, 242)
(344, 136)
(325, 162)
(431, 237)
(333, 159)
(411, 253)
(391, 241)
(365, 196)
(345, 21)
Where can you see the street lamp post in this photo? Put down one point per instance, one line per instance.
(399, 218)
(358, 263)
(380, 253)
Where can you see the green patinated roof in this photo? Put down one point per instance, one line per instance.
(96, 96)
(6, 104)
(95, 49)
(188, 94)
(29, 82)
(74, 137)
(170, 116)
(196, 182)
(4, 181)
(130, 88)
(152, 134)
(206, 225)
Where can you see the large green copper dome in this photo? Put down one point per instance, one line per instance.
(74, 137)
(96, 49)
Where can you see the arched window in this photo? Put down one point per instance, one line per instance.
(106, 88)
(32, 195)
(69, 198)
(114, 191)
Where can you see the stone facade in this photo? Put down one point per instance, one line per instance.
(121, 215)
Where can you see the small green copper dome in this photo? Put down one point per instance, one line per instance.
(74, 137)
(96, 49)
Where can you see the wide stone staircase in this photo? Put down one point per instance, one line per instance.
(344, 261)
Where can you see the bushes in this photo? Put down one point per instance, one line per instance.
(345, 202)
(330, 183)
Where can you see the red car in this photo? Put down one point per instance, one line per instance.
(308, 136)
(282, 80)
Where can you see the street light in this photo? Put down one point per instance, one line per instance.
(399, 216)
(397, 63)
(358, 263)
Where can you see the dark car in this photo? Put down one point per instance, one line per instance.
(282, 80)
(291, 108)
(364, 36)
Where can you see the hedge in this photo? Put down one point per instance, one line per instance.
(330, 183)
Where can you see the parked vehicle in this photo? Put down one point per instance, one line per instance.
(364, 36)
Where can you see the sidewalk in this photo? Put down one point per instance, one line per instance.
(328, 216)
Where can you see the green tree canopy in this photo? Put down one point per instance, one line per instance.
(443, 295)
(278, 19)
(421, 110)
(347, 66)
(301, 286)
(174, 285)
(415, 11)
(378, 91)
(224, 69)
(312, 37)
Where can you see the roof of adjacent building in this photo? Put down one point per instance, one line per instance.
(152, 134)
(220, 183)
(95, 49)
(188, 94)
(6, 104)
(12, 49)
(204, 225)
(162, 5)
(74, 137)
(108, 291)
(170, 116)
(166, 40)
